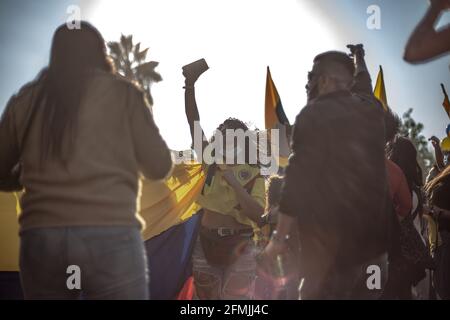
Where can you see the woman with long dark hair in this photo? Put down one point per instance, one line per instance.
(404, 154)
(82, 135)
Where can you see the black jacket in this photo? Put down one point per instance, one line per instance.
(336, 182)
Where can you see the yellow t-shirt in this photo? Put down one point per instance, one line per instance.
(220, 197)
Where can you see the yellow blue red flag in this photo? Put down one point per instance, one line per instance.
(274, 112)
(275, 117)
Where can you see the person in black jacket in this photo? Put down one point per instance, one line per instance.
(335, 183)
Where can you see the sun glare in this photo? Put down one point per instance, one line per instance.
(237, 38)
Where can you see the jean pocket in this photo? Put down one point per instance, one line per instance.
(117, 252)
(108, 240)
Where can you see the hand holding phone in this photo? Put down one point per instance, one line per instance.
(194, 70)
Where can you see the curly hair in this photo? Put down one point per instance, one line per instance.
(274, 189)
(236, 124)
(232, 123)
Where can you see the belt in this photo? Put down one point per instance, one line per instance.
(226, 232)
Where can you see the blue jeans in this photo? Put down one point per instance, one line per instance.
(111, 261)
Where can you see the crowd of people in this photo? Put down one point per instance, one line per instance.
(352, 196)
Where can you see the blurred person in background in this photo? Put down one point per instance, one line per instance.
(427, 43)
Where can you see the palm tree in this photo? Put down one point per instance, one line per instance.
(129, 61)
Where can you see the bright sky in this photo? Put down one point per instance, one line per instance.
(238, 38)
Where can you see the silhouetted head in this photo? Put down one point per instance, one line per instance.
(404, 154)
(78, 50)
(440, 181)
(74, 55)
(332, 71)
(232, 124)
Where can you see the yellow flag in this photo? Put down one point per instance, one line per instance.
(380, 90)
(166, 204)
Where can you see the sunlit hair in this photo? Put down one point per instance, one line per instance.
(74, 55)
(273, 194)
(232, 123)
(392, 125)
(335, 62)
(437, 181)
(404, 154)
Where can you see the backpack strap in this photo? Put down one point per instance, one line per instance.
(210, 173)
(248, 187)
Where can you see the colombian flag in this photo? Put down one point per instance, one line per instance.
(275, 118)
(165, 204)
(169, 211)
(274, 112)
(380, 90)
(446, 103)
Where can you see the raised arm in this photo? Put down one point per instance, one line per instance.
(192, 114)
(191, 109)
(438, 152)
(362, 81)
(425, 42)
